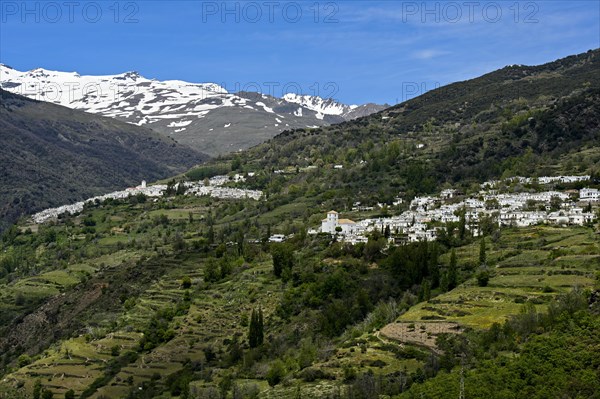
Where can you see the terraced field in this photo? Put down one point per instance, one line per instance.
(212, 320)
(102, 306)
(531, 264)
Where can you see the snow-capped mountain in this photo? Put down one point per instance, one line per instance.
(203, 115)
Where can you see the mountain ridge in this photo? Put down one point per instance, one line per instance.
(203, 115)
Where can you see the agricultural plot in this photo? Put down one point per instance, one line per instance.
(531, 264)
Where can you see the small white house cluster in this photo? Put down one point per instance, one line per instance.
(355, 232)
(589, 194)
(149, 191)
(214, 189)
(507, 209)
(540, 180)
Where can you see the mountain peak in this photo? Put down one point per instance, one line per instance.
(203, 115)
(131, 75)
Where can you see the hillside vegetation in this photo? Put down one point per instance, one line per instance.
(519, 120)
(53, 155)
(159, 296)
(185, 297)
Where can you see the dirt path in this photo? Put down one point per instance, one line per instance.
(419, 333)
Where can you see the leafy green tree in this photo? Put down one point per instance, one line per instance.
(373, 247)
(555, 203)
(236, 163)
(179, 244)
(24, 360)
(276, 373)
(70, 394)
(186, 283)
(483, 277)
(283, 258)
(212, 272)
(37, 389)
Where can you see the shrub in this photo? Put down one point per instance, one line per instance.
(312, 374)
(276, 373)
(483, 278)
(24, 360)
(186, 282)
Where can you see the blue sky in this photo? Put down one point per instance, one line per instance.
(354, 51)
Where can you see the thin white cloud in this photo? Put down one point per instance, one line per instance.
(428, 54)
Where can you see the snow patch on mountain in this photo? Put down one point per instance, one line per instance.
(203, 115)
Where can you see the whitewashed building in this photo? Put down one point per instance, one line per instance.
(589, 194)
(331, 223)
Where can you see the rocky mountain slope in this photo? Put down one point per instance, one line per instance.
(52, 155)
(204, 116)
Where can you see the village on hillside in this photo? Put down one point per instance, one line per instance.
(427, 215)
(213, 187)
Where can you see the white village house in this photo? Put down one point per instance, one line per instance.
(589, 194)
(332, 222)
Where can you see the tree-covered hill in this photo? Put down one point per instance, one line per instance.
(52, 155)
(518, 120)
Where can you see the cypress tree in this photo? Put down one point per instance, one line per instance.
(452, 272)
(434, 269)
(482, 255)
(37, 389)
(255, 330)
(444, 282)
(462, 224)
(252, 330)
(260, 329)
